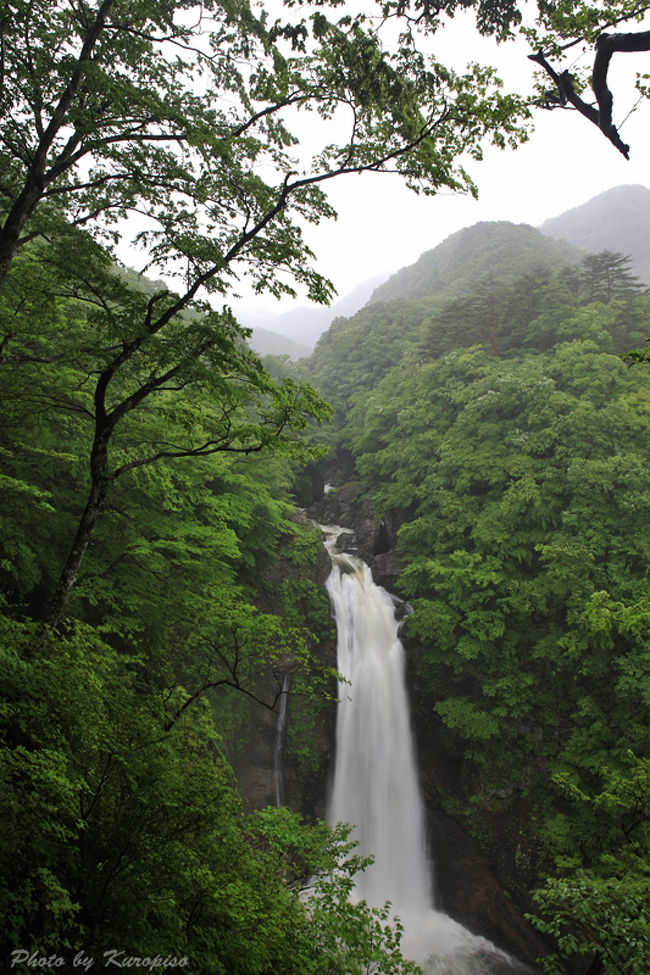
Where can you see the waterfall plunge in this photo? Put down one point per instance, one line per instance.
(375, 784)
(375, 780)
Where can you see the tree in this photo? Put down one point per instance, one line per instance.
(565, 25)
(173, 111)
(597, 905)
(607, 277)
(147, 382)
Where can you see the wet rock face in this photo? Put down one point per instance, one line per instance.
(468, 890)
(372, 540)
(253, 760)
(254, 769)
(386, 568)
(345, 506)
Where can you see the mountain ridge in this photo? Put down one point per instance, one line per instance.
(617, 220)
(461, 259)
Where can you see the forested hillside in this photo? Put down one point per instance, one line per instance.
(469, 255)
(505, 435)
(159, 586)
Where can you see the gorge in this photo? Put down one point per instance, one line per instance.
(168, 749)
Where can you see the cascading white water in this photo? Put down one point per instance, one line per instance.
(375, 779)
(280, 736)
(375, 786)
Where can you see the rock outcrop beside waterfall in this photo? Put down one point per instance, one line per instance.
(254, 760)
(374, 540)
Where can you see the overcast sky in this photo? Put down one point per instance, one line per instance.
(382, 226)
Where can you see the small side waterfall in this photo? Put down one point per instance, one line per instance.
(375, 785)
(280, 736)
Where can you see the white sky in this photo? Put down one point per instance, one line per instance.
(382, 226)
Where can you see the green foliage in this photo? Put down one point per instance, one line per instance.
(346, 938)
(597, 905)
(305, 546)
(124, 826)
(524, 557)
(306, 604)
(121, 831)
(112, 832)
(127, 396)
(512, 446)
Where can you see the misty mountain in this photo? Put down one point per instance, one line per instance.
(616, 220)
(356, 352)
(265, 342)
(499, 285)
(502, 249)
(304, 324)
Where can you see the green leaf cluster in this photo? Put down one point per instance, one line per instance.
(122, 831)
(597, 905)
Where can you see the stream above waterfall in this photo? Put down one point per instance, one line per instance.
(375, 785)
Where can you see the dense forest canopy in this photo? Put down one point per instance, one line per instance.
(503, 432)
(149, 464)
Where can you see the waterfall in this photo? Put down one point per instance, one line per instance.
(375, 786)
(280, 736)
(375, 780)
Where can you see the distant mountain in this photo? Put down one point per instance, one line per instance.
(304, 324)
(617, 220)
(357, 298)
(502, 249)
(437, 300)
(356, 352)
(271, 343)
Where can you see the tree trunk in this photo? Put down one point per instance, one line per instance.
(87, 522)
(99, 483)
(14, 225)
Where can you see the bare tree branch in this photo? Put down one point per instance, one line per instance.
(606, 46)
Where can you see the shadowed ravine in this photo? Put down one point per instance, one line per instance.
(375, 784)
